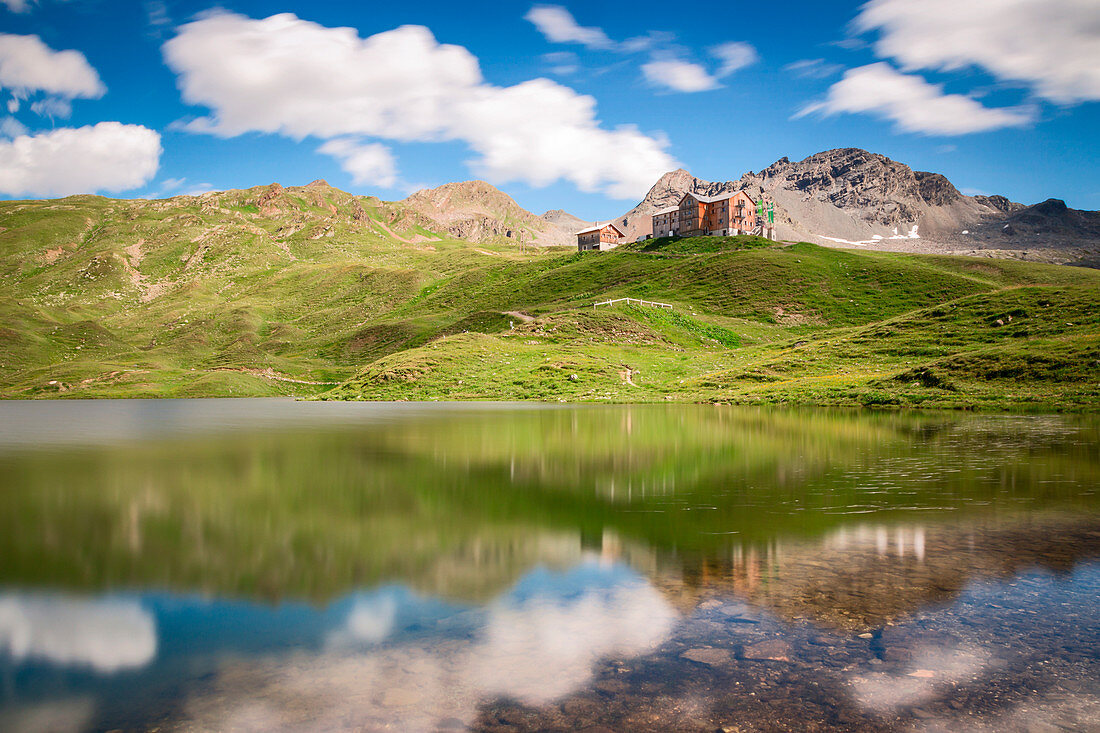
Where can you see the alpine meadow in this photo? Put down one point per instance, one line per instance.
(313, 292)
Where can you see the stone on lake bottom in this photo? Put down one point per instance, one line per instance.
(710, 657)
(922, 673)
(774, 650)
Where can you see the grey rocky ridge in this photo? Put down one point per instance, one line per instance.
(853, 198)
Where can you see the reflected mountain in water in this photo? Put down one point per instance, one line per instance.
(462, 504)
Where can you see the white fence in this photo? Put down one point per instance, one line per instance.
(633, 300)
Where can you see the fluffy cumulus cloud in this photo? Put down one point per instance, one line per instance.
(1053, 46)
(29, 65)
(109, 156)
(559, 26)
(678, 75)
(913, 104)
(296, 78)
(368, 163)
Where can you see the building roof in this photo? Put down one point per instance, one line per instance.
(598, 226)
(718, 197)
(669, 210)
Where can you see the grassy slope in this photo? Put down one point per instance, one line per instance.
(240, 293)
(758, 323)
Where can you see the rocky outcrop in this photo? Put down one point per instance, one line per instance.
(272, 201)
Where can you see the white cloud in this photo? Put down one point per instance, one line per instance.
(292, 77)
(17, 6)
(368, 163)
(678, 75)
(52, 107)
(1051, 45)
(27, 64)
(11, 127)
(109, 156)
(734, 55)
(105, 634)
(913, 104)
(157, 16)
(562, 63)
(559, 26)
(813, 68)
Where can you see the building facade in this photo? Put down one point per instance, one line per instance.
(666, 223)
(599, 237)
(725, 214)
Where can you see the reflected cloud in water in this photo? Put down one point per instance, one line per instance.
(66, 715)
(541, 641)
(424, 666)
(931, 670)
(104, 634)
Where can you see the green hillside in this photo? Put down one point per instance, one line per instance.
(310, 291)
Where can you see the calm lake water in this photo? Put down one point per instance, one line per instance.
(259, 565)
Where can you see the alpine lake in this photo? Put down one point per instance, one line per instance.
(273, 565)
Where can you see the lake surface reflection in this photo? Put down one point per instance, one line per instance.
(272, 565)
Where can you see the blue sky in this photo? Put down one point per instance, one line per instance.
(577, 106)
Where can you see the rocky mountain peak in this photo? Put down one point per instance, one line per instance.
(471, 195)
(565, 221)
(479, 211)
(935, 189)
(1051, 207)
